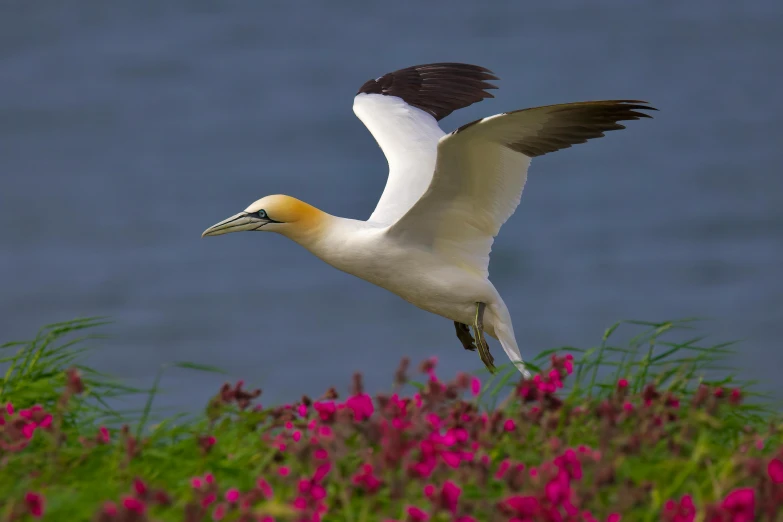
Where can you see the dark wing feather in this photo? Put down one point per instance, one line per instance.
(541, 130)
(437, 88)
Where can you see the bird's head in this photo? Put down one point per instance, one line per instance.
(283, 214)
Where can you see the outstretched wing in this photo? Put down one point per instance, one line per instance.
(401, 109)
(481, 171)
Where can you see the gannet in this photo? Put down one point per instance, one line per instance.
(446, 197)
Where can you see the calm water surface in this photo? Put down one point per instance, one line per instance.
(128, 128)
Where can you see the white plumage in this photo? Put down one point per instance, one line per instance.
(447, 195)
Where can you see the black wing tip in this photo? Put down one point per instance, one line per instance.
(437, 88)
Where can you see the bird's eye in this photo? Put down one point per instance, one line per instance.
(261, 214)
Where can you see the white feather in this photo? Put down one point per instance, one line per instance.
(408, 138)
(477, 185)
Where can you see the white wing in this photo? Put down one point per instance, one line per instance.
(481, 170)
(401, 109)
(408, 138)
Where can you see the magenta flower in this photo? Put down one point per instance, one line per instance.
(509, 425)
(134, 505)
(775, 470)
(103, 435)
(622, 384)
(741, 504)
(326, 410)
(367, 480)
(417, 515)
(34, 503)
(682, 511)
(475, 386)
(208, 500)
(321, 454)
(28, 430)
(361, 405)
(139, 487)
(232, 495)
(524, 507)
(264, 487)
(283, 471)
(449, 496)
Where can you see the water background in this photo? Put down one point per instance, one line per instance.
(127, 128)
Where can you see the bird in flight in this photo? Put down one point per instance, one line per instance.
(447, 195)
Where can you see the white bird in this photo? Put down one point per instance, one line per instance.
(446, 197)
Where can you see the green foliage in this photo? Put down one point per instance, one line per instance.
(701, 446)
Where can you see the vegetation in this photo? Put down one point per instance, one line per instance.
(632, 433)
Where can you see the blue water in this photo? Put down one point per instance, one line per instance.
(128, 128)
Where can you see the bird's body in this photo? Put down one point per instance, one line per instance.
(447, 195)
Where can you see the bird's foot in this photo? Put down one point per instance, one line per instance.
(463, 334)
(481, 343)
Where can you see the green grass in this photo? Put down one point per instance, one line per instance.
(705, 448)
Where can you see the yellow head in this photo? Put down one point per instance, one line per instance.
(283, 214)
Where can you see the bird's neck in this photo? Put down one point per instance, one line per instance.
(332, 239)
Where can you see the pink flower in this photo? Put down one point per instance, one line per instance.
(9, 408)
(196, 482)
(139, 487)
(361, 405)
(475, 386)
(134, 505)
(429, 491)
(232, 495)
(35, 504)
(627, 406)
(741, 503)
(46, 421)
(209, 499)
(209, 478)
(523, 507)
(283, 471)
(509, 425)
(417, 515)
(622, 384)
(449, 496)
(321, 454)
(367, 480)
(557, 490)
(265, 488)
(613, 517)
(502, 469)
(775, 470)
(302, 410)
(326, 410)
(321, 471)
(297, 436)
(28, 430)
(103, 435)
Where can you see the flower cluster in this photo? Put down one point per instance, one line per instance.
(436, 454)
(17, 427)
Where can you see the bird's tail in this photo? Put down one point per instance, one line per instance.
(504, 331)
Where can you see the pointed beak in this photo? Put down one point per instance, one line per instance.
(237, 223)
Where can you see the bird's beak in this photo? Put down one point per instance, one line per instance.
(237, 223)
